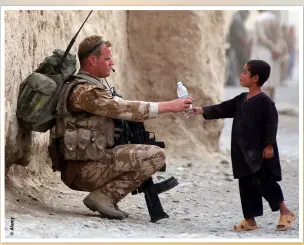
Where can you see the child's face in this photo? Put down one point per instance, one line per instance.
(245, 78)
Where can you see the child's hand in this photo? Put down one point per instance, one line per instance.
(197, 110)
(268, 151)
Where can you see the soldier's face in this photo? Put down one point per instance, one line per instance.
(104, 62)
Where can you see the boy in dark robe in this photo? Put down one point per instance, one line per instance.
(254, 149)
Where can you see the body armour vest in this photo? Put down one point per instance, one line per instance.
(84, 136)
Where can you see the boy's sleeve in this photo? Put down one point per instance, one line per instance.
(225, 109)
(270, 122)
(98, 101)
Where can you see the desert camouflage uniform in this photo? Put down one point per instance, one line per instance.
(92, 164)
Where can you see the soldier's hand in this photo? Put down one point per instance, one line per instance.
(181, 104)
(177, 105)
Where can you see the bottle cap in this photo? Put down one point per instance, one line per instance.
(179, 83)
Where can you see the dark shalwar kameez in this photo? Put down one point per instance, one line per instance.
(255, 123)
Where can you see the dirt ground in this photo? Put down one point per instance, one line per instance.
(205, 204)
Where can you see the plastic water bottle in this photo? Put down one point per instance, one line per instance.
(181, 93)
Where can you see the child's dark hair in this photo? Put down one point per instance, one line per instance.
(260, 68)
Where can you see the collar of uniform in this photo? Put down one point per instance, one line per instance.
(89, 74)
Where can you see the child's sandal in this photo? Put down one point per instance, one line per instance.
(245, 226)
(285, 222)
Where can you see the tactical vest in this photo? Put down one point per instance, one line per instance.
(84, 136)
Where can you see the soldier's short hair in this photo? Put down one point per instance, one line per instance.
(90, 46)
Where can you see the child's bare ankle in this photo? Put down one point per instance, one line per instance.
(251, 221)
(286, 212)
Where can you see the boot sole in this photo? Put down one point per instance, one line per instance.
(102, 211)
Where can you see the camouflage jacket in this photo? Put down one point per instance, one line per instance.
(89, 128)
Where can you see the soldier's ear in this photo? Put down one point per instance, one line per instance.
(92, 60)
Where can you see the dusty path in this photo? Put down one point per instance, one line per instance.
(205, 204)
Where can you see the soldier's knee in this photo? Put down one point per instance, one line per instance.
(159, 157)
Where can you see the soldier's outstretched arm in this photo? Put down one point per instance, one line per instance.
(99, 101)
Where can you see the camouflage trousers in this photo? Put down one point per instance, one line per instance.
(121, 171)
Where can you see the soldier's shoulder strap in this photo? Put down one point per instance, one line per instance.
(90, 79)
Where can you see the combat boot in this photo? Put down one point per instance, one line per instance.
(98, 201)
(126, 215)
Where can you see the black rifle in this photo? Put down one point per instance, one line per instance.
(135, 133)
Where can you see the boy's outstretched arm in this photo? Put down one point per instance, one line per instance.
(225, 109)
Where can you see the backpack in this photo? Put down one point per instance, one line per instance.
(39, 92)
